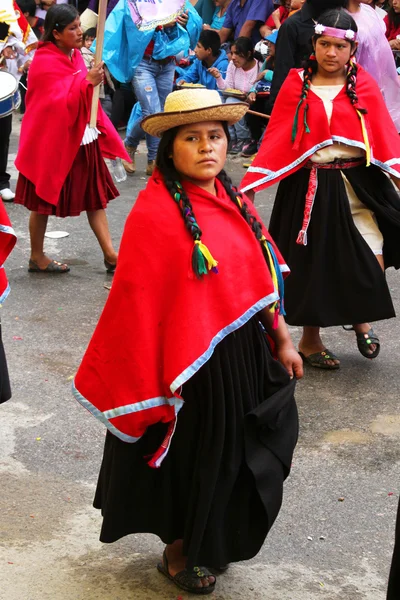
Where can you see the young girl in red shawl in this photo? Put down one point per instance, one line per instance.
(179, 368)
(60, 158)
(336, 216)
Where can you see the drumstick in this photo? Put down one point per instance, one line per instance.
(97, 59)
(258, 114)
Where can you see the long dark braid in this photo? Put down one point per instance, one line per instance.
(351, 84)
(309, 70)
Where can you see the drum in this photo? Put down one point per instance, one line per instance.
(10, 98)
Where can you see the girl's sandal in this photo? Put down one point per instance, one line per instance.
(188, 580)
(364, 342)
(54, 267)
(318, 360)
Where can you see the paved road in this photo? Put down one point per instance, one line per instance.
(333, 537)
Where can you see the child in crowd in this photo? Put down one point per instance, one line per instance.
(241, 74)
(392, 22)
(276, 19)
(219, 15)
(107, 88)
(88, 38)
(258, 103)
(208, 54)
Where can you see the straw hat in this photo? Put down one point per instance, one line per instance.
(192, 106)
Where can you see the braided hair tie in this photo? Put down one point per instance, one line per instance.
(202, 259)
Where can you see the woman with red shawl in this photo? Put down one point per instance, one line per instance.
(179, 368)
(336, 217)
(60, 158)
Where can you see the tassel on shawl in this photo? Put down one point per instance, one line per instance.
(365, 137)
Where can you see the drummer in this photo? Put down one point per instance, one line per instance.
(15, 60)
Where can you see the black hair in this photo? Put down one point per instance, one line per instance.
(27, 6)
(244, 47)
(172, 182)
(210, 39)
(393, 17)
(90, 33)
(58, 17)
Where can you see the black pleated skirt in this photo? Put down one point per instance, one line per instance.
(220, 486)
(5, 388)
(336, 278)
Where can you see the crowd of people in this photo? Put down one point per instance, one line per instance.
(308, 92)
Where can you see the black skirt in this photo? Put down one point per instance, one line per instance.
(336, 279)
(5, 389)
(220, 486)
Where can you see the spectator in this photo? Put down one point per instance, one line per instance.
(244, 19)
(28, 9)
(205, 8)
(241, 75)
(258, 100)
(153, 81)
(294, 41)
(218, 19)
(88, 38)
(208, 54)
(275, 20)
(392, 21)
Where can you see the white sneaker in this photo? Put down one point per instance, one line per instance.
(7, 195)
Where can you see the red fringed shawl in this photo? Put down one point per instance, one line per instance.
(278, 156)
(160, 323)
(58, 105)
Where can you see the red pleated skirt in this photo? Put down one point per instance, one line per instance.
(88, 187)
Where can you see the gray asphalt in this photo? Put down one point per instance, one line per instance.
(333, 538)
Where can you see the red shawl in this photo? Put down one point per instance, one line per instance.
(278, 158)
(7, 243)
(58, 109)
(160, 323)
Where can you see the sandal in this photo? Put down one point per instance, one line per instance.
(53, 267)
(318, 360)
(187, 580)
(364, 341)
(110, 268)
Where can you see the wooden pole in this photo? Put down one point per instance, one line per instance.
(258, 114)
(98, 57)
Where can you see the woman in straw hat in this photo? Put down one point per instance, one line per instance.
(202, 419)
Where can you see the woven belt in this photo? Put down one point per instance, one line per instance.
(313, 186)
